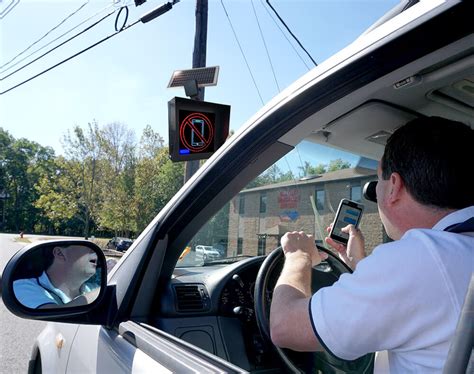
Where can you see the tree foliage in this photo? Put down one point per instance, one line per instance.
(275, 175)
(22, 164)
(105, 183)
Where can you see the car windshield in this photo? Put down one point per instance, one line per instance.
(301, 191)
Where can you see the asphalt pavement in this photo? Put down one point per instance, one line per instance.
(17, 335)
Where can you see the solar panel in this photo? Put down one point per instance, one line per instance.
(203, 76)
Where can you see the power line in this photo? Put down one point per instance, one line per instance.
(54, 40)
(144, 19)
(45, 35)
(286, 37)
(266, 49)
(9, 8)
(293, 35)
(243, 54)
(56, 47)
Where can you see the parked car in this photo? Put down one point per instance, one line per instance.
(119, 244)
(158, 314)
(206, 253)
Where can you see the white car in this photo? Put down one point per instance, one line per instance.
(206, 253)
(160, 312)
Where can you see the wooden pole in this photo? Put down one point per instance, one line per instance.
(199, 61)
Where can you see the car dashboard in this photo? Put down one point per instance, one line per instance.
(212, 307)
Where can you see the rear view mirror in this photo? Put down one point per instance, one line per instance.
(55, 275)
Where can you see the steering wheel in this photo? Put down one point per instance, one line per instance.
(324, 274)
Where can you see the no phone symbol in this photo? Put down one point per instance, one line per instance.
(196, 132)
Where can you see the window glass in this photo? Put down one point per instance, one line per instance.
(320, 197)
(242, 204)
(263, 202)
(301, 191)
(240, 244)
(262, 241)
(356, 193)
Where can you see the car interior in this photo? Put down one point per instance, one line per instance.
(213, 307)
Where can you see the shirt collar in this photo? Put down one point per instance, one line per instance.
(458, 216)
(46, 283)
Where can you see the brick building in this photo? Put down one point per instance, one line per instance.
(260, 216)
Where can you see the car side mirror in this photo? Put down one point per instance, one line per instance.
(54, 275)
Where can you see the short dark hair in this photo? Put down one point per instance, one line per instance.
(435, 158)
(48, 257)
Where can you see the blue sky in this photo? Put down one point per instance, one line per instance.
(125, 79)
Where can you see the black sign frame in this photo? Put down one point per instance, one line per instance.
(182, 109)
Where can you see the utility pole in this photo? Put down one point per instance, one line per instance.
(199, 61)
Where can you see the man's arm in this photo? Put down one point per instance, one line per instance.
(290, 323)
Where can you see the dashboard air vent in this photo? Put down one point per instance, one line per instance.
(191, 298)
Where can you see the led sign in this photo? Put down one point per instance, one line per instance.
(196, 128)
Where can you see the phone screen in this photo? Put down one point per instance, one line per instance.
(349, 212)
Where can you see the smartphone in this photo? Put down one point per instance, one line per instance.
(349, 212)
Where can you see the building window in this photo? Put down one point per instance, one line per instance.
(263, 202)
(356, 193)
(262, 243)
(240, 245)
(320, 197)
(242, 204)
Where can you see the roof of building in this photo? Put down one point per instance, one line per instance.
(332, 176)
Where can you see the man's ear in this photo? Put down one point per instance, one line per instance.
(58, 253)
(397, 187)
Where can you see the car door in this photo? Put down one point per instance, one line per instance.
(138, 349)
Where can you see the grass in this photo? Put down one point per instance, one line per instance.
(23, 240)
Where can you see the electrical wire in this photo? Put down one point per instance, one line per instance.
(286, 37)
(59, 45)
(45, 35)
(54, 40)
(265, 44)
(241, 51)
(144, 19)
(69, 58)
(9, 8)
(291, 33)
(118, 16)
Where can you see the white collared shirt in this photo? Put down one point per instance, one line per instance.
(35, 292)
(405, 297)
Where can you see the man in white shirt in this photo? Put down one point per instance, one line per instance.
(407, 295)
(63, 280)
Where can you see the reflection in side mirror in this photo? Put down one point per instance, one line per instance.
(58, 275)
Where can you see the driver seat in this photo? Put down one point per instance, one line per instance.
(460, 355)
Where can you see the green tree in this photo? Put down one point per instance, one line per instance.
(117, 182)
(157, 180)
(22, 162)
(307, 169)
(150, 143)
(58, 195)
(270, 176)
(83, 149)
(338, 164)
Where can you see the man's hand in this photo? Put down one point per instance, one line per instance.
(290, 324)
(298, 242)
(355, 249)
